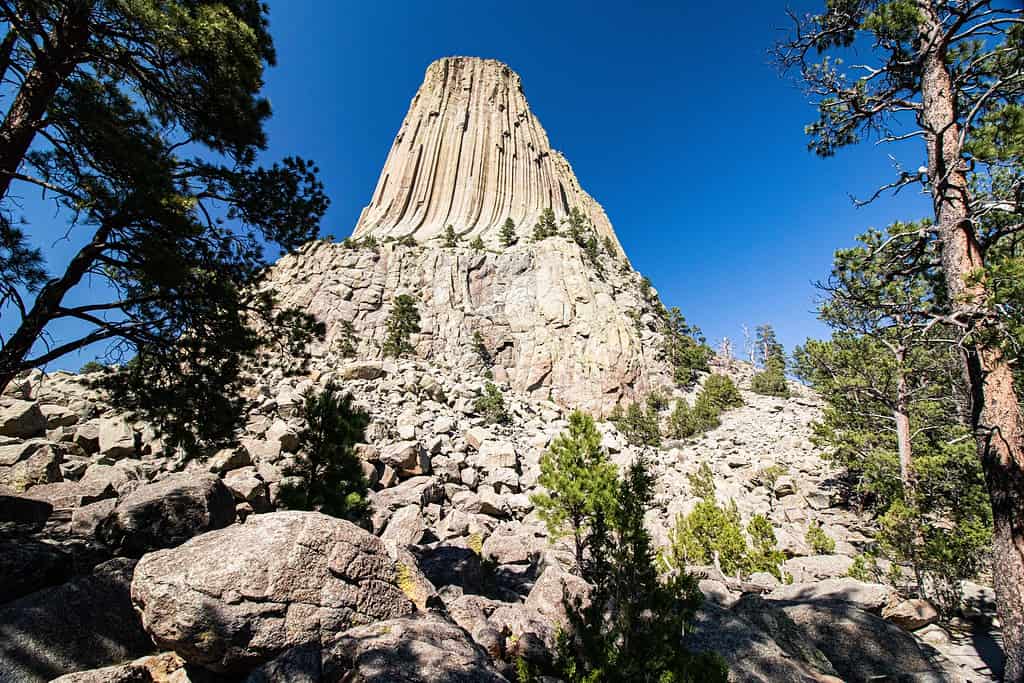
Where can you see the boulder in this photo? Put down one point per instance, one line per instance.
(26, 566)
(167, 512)
(247, 486)
(911, 615)
(83, 624)
(547, 597)
(406, 457)
(227, 459)
(859, 645)
(117, 438)
(476, 436)
(87, 436)
(366, 370)
(21, 419)
(817, 567)
(419, 491)
(163, 668)
(406, 526)
(234, 598)
(122, 477)
(870, 597)
(495, 453)
(28, 463)
(451, 565)
(297, 665)
(423, 648)
(68, 495)
(88, 521)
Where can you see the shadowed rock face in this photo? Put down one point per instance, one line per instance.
(471, 154)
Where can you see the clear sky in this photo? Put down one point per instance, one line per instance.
(670, 113)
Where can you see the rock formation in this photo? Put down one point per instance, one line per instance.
(471, 154)
(561, 318)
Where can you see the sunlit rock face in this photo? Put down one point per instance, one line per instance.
(556, 321)
(471, 154)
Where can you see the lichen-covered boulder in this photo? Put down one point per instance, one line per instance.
(168, 512)
(232, 599)
(423, 648)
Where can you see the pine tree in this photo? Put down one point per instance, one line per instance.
(477, 244)
(403, 322)
(546, 226)
(451, 240)
(508, 233)
(580, 483)
(332, 477)
(954, 67)
(771, 356)
(685, 348)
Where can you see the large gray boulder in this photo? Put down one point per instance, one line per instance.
(424, 648)
(21, 419)
(83, 624)
(232, 599)
(168, 512)
(871, 597)
(28, 463)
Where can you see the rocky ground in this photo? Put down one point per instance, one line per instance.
(122, 562)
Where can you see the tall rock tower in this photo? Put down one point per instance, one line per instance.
(564, 317)
(471, 154)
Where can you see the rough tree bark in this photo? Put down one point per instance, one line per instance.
(901, 413)
(41, 83)
(995, 409)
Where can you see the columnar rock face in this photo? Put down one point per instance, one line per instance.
(471, 154)
(551, 325)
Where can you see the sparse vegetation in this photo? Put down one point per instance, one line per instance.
(508, 233)
(546, 226)
(402, 323)
(451, 240)
(477, 244)
(637, 424)
(492, 405)
(819, 542)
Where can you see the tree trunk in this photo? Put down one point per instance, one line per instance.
(40, 85)
(901, 413)
(995, 409)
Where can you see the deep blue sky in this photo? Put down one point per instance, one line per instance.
(670, 114)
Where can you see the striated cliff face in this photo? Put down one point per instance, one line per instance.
(471, 154)
(558, 319)
(552, 327)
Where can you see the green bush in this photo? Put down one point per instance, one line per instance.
(403, 322)
(492, 405)
(508, 233)
(477, 244)
(709, 532)
(345, 343)
(92, 366)
(818, 540)
(763, 555)
(681, 423)
(545, 226)
(330, 471)
(771, 382)
(639, 426)
(702, 482)
(451, 240)
(721, 392)
(684, 346)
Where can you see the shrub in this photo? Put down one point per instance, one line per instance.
(769, 476)
(92, 366)
(508, 233)
(545, 226)
(609, 247)
(407, 241)
(710, 534)
(702, 482)
(345, 343)
(763, 555)
(684, 346)
(403, 322)
(630, 627)
(721, 392)
(681, 423)
(657, 401)
(639, 426)
(819, 541)
(330, 471)
(491, 405)
(450, 238)
(480, 348)
(477, 244)
(771, 382)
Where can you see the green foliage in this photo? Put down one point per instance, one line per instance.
(403, 322)
(480, 348)
(716, 396)
(864, 568)
(92, 366)
(407, 241)
(638, 425)
(685, 348)
(146, 139)
(546, 226)
(580, 484)
(345, 342)
(709, 533)
(508, 233)
(630, 630)
(819, 542)
(333, 481)
(609, 247)
(491, 405)
(769, 354)
(702, 482)
(763, 556)
(477, 244)
(451, 240)
(769, 476)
